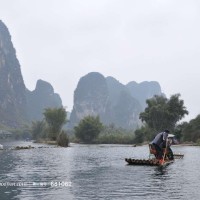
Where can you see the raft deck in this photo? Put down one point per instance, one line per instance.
(151, 162)
(178, 156)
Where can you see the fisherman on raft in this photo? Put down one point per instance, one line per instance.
(161, 142)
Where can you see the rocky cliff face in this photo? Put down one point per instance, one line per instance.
(124, 108)
(12, 88)
(42, 97)
(95, 95)
(106, 97)
(90, 98)
(112, 101)
(144, 90)
(17, 104)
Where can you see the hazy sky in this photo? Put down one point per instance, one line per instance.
(60, 41)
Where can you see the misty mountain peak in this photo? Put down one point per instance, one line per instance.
(111, 100)
(44, 87)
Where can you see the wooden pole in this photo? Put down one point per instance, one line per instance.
(164, 153)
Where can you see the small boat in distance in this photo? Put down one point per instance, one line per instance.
(1, 147)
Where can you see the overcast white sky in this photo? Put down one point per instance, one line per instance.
(60, 41)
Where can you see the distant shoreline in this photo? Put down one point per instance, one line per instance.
(50, 142)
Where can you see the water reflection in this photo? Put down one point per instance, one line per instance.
(161, 171)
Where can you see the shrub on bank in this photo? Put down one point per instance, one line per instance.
(62, 139)
(115, 138)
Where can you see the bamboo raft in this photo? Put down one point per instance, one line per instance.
(178, 156)
(151, 162)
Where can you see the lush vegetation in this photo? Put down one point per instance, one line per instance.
(189, 131)
(39, 129)
(51, 127)
(113, 135)
(162, 113)
(101, 134)
(62, 139)
(88, 129)
(55, 118)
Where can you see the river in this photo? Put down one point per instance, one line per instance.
(95, 172)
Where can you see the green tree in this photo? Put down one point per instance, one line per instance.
(162, 113)
(38, 129)
(88, 129)
(62, 139)
(191, 130)
(178, 131)
(115, 135)
(55, 118)
(139, 136)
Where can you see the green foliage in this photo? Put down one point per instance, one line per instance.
(112, 135)
(88, 129)
(162, 113)
(62, 139)
(198, 142)
(144, 134)
(191, 130)
(55, 118)
(139, 135)
(115, 138)
(38, 129)
(178, 131)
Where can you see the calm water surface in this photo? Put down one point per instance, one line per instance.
(95, 172)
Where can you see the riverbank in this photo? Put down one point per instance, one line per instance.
(50, 142)
(188, 144)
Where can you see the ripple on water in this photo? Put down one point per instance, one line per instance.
(98, 172)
